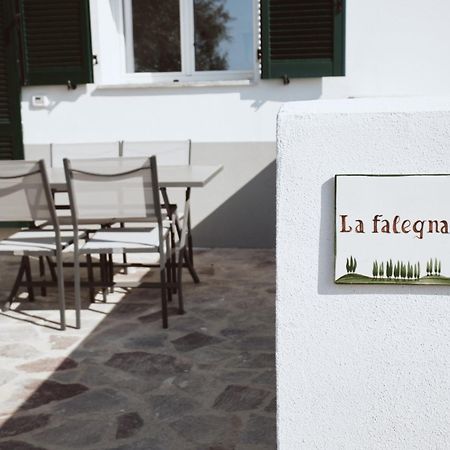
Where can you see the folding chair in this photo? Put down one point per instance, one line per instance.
(25, 196)
(121, 190)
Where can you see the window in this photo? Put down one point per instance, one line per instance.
(302, 38)
(146, 41)
(55, 41)
(182, 40)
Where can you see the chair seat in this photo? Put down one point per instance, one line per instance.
(34, 242)
(123, 241)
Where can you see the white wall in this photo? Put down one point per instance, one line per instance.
(358, 367)
(393, 48)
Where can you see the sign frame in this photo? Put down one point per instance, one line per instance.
(413, 274)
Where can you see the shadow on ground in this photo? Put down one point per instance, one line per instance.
(253, 204)
(124, 383)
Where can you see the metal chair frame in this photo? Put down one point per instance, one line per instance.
(167, 282)
(25, 267)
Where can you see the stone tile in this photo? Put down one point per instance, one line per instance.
(194, 340)
(235, 376)
(95, 375)
(195, 383)
(147, 364)
(145, 342)
(6, 376)
(233, 332)
(76, 433)
(272, 406)
(211, 313)
(150, 443)
(18, 445)
(62, 342)
(209, 429)
(268, 377)
(107, 336)
(188, 323)
(127, 365)
(50, 391)
(94, 401)
(216, 447)
(23, 424)
(156, 316)
(210, 355)
(129, 308)
(254, 360)
(240, 398)
(260, 430)
(207, 270)
(128, 425)
(166, 406)
(48, 365)
(256, 343)
(18, 350)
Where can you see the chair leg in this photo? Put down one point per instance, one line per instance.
(42, 275)
(61, 297)
(111, 272)
(124, 256)
(90, 273)
(51, 267)
(29, 279)
(103, 275)
(12, 295)
(174, 261)
(179, 282)
(77, 289)
(169, 265)
(164, 312)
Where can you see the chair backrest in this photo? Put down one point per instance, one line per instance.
(83, 151)
(168, 153)
(113, 189)
(25, 192)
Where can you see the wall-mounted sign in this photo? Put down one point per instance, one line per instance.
(392, 229)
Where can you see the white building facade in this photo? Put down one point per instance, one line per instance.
(391, 49)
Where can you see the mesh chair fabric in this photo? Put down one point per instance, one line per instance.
(83, 151)
(23, 196)
(168, 153)
(113, 189)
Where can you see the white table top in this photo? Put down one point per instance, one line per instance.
(168, 176)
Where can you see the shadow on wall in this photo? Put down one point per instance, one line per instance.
(260, 91)
(55, 95)
(249, 216)
(326, 285)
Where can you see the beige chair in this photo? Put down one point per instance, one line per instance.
(126, 190)
(169, 153)
(25, 196)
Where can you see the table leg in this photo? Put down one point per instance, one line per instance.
(190, 259)
(189, 254)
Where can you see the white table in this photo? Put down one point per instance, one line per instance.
(193, 176)
(187, 177)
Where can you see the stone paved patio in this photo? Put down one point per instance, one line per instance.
(124, 383)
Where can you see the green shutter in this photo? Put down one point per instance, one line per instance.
(11, 146)
(302, 38)
(56, 42)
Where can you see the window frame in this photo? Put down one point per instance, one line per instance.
(188, 72)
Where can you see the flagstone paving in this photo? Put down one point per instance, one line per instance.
(124, 383)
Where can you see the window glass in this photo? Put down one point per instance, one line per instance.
(223, 34)
(156, 35)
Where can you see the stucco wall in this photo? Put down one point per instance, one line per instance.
(363, 367)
